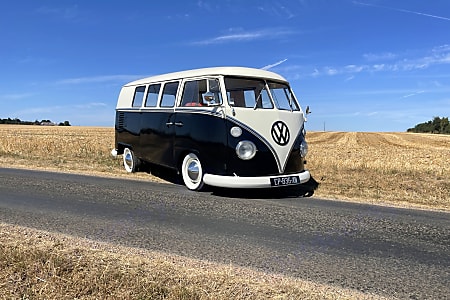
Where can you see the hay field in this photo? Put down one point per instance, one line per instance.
(394, 168)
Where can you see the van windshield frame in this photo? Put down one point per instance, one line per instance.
(255, 93)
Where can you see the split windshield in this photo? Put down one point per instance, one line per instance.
(254, 93)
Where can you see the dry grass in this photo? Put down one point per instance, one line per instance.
(39, 265)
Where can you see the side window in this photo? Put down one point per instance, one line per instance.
(169, 94)
(191, 93)
(152, 95)
(194, 93)
(138, 96)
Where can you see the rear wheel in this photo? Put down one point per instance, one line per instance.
(192, 172)
(130, 161)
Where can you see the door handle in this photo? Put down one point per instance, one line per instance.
(179, 124)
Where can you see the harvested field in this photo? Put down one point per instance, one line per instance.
(393, 168)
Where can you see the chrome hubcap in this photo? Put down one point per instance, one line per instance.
(193, 170)
(129, 160)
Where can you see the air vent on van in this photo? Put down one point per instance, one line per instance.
(120, 120)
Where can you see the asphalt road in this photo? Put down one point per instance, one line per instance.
(395, 252)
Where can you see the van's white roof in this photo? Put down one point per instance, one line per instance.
(227, 71)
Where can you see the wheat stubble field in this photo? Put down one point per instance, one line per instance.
(384, 168)
(394, 168)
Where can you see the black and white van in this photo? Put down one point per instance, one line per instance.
(230, 127)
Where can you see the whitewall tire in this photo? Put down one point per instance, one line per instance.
(192, 172)
(130, 161)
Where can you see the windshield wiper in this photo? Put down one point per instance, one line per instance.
(257, 99)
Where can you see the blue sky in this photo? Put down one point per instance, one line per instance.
(367, 65)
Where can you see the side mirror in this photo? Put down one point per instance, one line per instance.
(210, 98)
(307, 110)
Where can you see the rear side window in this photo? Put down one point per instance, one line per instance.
(169, 94)
(152, 95)
(138, 96)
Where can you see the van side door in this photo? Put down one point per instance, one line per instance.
(158, 125)
(200, 124)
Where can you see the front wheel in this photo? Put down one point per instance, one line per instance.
(130, 161)
(192, 172)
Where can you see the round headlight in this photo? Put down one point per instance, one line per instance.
(303, 148)
(246, 150)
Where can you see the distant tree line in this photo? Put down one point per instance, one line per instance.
(437, 125)
(17, 121)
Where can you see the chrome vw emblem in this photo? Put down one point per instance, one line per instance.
(280, 133)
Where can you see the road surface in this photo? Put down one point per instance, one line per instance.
(396, 252)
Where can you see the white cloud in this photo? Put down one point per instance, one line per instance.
(100, 79)
(437, 56)
(413, 94)
(331, 71)
(244, 36)
(371, 57)
(315, 73)
(206, 5)
(277, 9)
(354, 68)
(350, 78)
(14, 97)
(91, 105)
(379, 67)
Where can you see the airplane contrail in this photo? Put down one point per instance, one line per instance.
(274, 65)
(403, 10)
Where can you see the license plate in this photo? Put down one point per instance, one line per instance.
(285, 180)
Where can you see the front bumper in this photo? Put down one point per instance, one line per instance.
(250, 182)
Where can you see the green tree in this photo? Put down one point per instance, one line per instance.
(65, 123)
(437, 125)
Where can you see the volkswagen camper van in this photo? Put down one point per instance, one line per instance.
(231, 127)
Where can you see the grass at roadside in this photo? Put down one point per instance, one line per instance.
(40, 265)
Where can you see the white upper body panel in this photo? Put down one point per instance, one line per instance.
(226, 71)
(126, 94)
